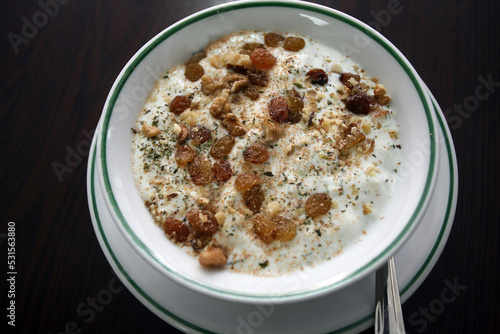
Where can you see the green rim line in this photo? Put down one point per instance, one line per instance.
(215, 11)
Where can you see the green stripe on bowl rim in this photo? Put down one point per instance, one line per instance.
(144, 51)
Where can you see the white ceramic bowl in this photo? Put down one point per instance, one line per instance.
(177, 43)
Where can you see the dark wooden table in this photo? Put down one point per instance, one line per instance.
(58, 62)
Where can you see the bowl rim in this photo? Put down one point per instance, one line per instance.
(359, 273)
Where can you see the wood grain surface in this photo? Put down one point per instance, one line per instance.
(56, 70)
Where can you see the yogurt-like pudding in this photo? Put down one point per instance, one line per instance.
(266, 153)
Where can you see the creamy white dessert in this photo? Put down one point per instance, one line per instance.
(266, 153)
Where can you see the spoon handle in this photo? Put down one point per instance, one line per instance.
(388, 312)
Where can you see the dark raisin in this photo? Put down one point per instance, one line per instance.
(264, 228)
(203, 221)
(317, 76)
(253, 198)
(222, 147)
(278, 109)
(252, 92)
(358, 103)
(285, 228)
(344, 78)
(318, 204)
(246, 180)
(176, 229)
(200, 170)
(258, 78)
(183, 135)
(256, 153)
(179, 104)
(200, 134)
(294, 44)
(184, 154)
(273, 39)
(222, 170)
(200, 241)
(194, 72)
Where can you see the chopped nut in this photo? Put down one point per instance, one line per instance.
(236, 81)
(367, 128)
(272, 131)
(378, 112)
(372, 170)
(380, 94)
(337, 68)
(209, 85)
(213, 257)
(217, 109)
(238, 59)
(273, 209)
(233, 125)
(379, 90)
(393, 134)
(367, 209)
(220, 217)
(150, 131)
(177, 129)
(217, 61)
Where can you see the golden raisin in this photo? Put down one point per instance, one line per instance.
(294, 44)
(263, 59)
(203, 221)
(176, 229)
(295, 106)
(273, 39)
(200, 170)
(256, 153)
(246, 180)
(317, 76)
(184, 154)
(264, 228)
(200, 134)
(222, 147)
(222, 170)
(253, 198)
(193, 72)
(285, 228)
(179, 104)
(278, 109)
(318, 204)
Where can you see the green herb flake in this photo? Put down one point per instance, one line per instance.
(263, 265)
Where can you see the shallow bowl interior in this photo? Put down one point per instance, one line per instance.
(366, 47)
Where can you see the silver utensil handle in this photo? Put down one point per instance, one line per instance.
(388, 312)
